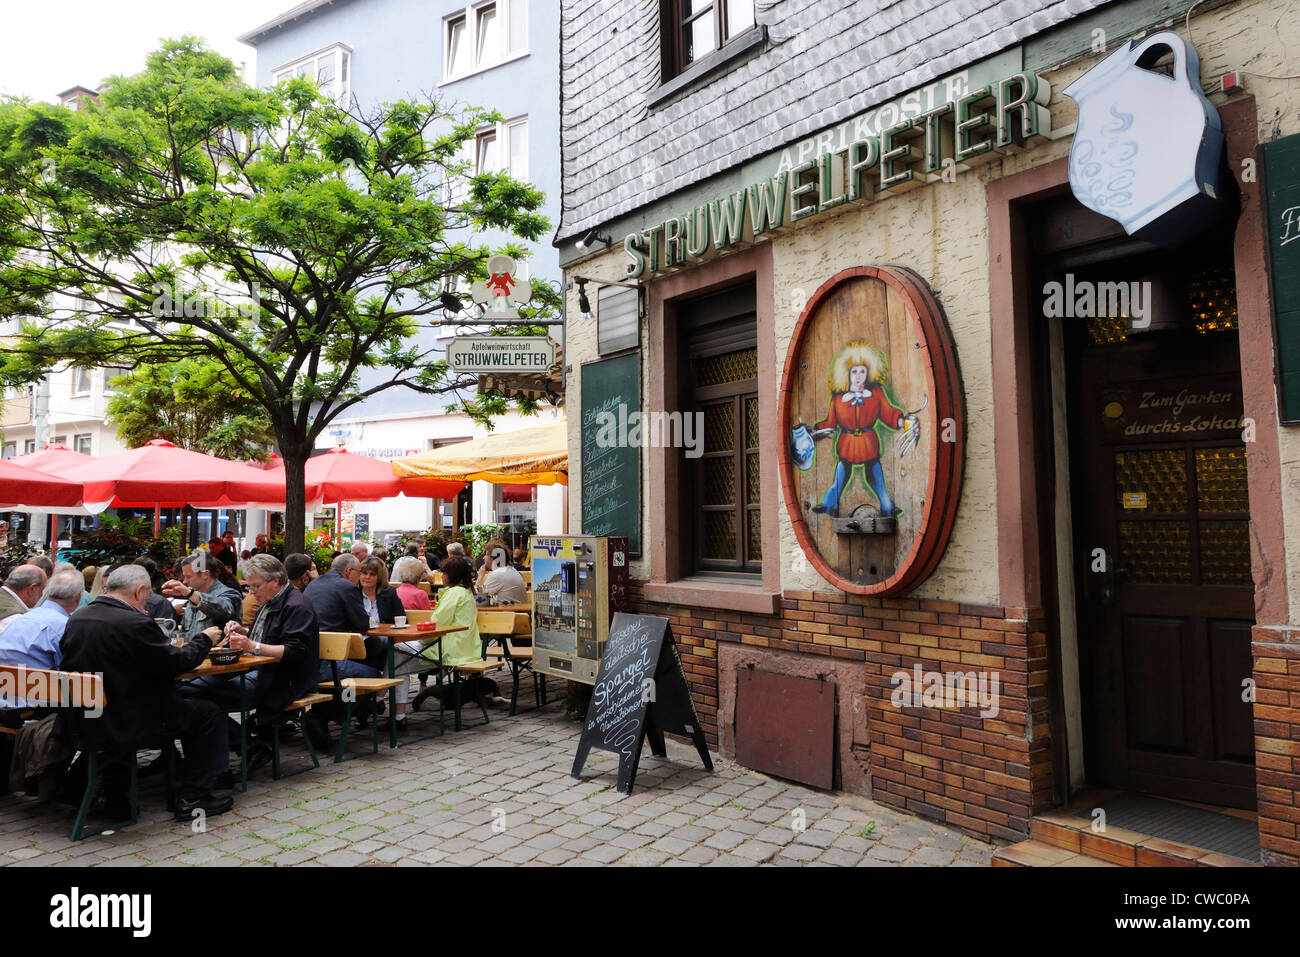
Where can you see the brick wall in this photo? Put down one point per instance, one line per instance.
(1277, 742)
(986, 775)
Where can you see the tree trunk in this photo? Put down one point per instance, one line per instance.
(295, 501)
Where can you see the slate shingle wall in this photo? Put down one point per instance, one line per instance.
(824, 61)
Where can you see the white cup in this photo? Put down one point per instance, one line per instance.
(399, 621)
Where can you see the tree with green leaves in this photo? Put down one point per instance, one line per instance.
(191, 403)
(286, 238)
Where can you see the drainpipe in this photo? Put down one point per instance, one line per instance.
(41, 418)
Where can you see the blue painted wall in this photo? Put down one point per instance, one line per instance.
(397, 52)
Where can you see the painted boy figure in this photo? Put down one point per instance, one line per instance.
(858, 402)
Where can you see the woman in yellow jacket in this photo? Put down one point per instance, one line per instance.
(456, 608)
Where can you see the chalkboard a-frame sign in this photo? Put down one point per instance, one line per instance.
(640, 692)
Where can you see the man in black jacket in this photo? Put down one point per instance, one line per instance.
(336, 596)
(142, 708)
(285, 629)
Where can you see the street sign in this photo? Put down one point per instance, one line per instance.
(478, 354)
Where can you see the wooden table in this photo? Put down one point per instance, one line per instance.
(240, 666)
(392, 634)
(523, 608)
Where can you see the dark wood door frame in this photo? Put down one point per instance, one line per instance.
(1026, 538)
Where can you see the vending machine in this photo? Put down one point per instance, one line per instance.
(579, 581)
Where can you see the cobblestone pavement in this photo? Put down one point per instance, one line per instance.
(501, 794)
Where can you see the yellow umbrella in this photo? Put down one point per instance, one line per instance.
(536, 456)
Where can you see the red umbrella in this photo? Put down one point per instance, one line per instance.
(32, 488)
(55, 459)
(339, 476)
(158, 474)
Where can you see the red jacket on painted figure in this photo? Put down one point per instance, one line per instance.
(858, 443)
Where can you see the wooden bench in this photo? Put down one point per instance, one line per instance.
(74, 690)
(336, 646)
(303, 705)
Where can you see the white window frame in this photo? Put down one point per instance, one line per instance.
(76, 442)
(340, 53)
(508, 13)
(29, 446)
(457, 188)
(110, 373)
(77, 373)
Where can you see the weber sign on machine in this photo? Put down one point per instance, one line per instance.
(501, 354)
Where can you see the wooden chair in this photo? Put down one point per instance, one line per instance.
(528, 579)
(336, 646)
(518, 657)
(490, 620)
(425, 587)
(415, 616)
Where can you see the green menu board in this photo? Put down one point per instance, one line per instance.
(1281, 189)
(611, 470)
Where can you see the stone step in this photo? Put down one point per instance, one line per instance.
(1061, 839)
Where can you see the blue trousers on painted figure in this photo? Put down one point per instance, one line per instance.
(873, 475)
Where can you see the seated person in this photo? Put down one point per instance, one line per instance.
(142, 707)
(521, 560)
(284, 629)
(301, 570)
(409, 571)
(380, 602)
(498, 579)
(32, 640)
(156, 606)
(336, 598)
(203, 600)
(456, 609)
(21, 590)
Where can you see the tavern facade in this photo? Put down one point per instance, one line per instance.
(991, 397)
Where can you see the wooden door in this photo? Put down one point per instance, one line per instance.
(1165, 614)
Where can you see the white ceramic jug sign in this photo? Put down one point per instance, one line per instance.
(1147, 147)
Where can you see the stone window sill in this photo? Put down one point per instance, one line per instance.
(695, 74)
(714, 593)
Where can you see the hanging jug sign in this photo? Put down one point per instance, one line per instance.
(1148, 147)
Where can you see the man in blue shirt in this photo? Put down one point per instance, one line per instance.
(32, 639)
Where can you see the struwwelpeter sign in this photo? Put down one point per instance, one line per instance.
(913, 151)
(871, 402)
(477, 354)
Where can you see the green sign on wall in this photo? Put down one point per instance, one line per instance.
(611, 471)
(1281, 188)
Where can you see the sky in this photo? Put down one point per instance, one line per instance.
(81, 42)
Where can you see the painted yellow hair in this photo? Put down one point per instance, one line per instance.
(858, 353)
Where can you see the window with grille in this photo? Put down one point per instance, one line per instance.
(721, 382)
